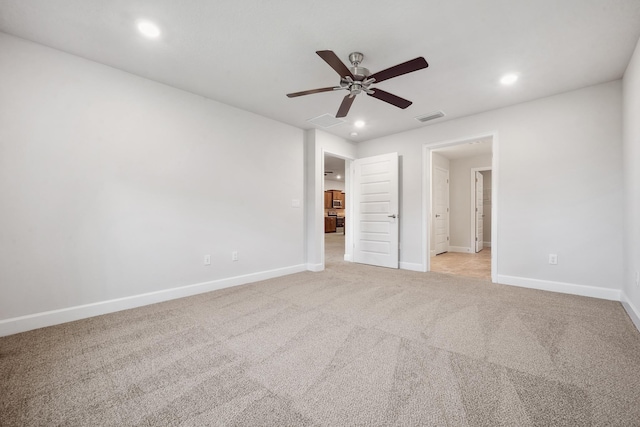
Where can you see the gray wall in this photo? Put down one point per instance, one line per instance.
(332, 184)
(114, 186)
(632, 182)
(460, 195)
(575, 205)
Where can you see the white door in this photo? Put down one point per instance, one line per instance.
(375, 184)
(479, 211)
(441, 210)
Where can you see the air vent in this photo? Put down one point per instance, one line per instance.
(430, 116)
(325, 121)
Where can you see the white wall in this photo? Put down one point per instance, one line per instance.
(631, 150)
(332, 184)
(114, 186)
(460, 196)
(317, 143)
(559, 183)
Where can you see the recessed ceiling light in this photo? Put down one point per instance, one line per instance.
(359, 124)
(338, 176)
(509, 79)
(149, 29)
(354, 134)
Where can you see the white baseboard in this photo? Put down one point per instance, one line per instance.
(49, 318)
(460, 249)
(486, 244)
(632, 311)
(315, 267)
(432, 253)
(411, 266)
(564, 288)
(347, 257)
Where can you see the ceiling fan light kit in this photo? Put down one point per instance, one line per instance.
(357, 79)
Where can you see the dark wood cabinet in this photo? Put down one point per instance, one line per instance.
(330, 196)
(328, 200)
(329, 224)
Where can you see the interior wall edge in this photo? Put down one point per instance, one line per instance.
(411, 266)
(315, 267)
(55, 317)
(632, 310)
(560, 287)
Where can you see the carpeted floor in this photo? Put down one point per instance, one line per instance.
(353, 345)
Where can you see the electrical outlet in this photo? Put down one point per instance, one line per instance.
(234, 256)
(553, 259)
(207, 260)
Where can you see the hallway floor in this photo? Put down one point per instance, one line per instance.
(455, 263)
(461, 264)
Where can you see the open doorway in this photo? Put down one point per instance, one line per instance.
(460, 219)
(335, 209)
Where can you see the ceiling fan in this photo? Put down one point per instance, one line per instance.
(358, 79)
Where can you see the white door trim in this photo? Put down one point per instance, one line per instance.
(473, 203)
(427, 201)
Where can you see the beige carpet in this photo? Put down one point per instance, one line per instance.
(354, 345)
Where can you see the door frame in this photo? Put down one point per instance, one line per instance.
(348, 195)
(473, 204)
(427, 201)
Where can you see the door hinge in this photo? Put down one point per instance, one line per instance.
(476, 239)
(447, 181)
(447, 238)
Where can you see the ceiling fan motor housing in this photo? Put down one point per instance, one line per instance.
(360, 73)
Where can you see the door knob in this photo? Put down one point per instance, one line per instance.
(437, 216)
(392, 216)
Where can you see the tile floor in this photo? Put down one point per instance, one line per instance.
(460, 264)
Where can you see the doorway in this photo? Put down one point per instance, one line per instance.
(369, 215)
(460, 212)
(334, 189)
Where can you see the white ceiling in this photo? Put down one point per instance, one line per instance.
(471, 148)
(250, 53)
(335, 165)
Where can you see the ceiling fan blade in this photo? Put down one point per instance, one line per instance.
(390, 98)
(309, 92)
(400, 69)
(335, 63)
(345, 106)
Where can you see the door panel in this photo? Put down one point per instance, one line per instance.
(441, 210)
(376, 228)
(479, 211)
